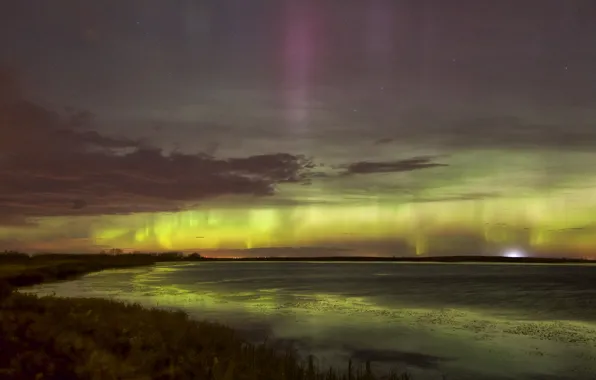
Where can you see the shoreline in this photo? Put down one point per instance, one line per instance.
(69, 338)
(417, 259)
(95, 319)
(37, 272)
(44, 268)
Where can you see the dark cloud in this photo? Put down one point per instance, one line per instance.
(382, 141)
(78, 204)
(575, 131)
(52, 164)
(518, 132)
(472, 196)
(407, 165)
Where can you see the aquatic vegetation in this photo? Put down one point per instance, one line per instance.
(90, 338)
(61, 338)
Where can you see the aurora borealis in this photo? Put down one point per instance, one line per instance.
(433, 128)
(553, 222)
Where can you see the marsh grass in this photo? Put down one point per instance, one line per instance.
(97, 339)
(21, 270)
(88, 338)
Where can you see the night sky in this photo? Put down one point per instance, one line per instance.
(384, 127)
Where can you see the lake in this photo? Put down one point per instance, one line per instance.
(466, 321)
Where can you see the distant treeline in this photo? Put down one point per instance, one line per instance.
(419, 259)
(155, 256)
(181, 256)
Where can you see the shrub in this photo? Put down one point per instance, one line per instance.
(5, 290)
(60, 338)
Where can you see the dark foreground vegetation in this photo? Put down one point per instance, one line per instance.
(19, 269)
(62, 339)
(59, 338)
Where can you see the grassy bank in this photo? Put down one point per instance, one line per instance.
(17, 269)
(61, 338)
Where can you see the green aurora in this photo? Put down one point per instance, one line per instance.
(497, 202)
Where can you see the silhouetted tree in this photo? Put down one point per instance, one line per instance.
(194, 256)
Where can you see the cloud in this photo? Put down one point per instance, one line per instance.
(471, 196)
(415, 163)
(54, 164)
(382, 141)
(498, 129)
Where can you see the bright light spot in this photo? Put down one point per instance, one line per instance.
(515, 253)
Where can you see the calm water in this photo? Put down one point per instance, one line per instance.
(467, 321)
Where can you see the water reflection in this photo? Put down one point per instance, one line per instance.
(497, 322)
